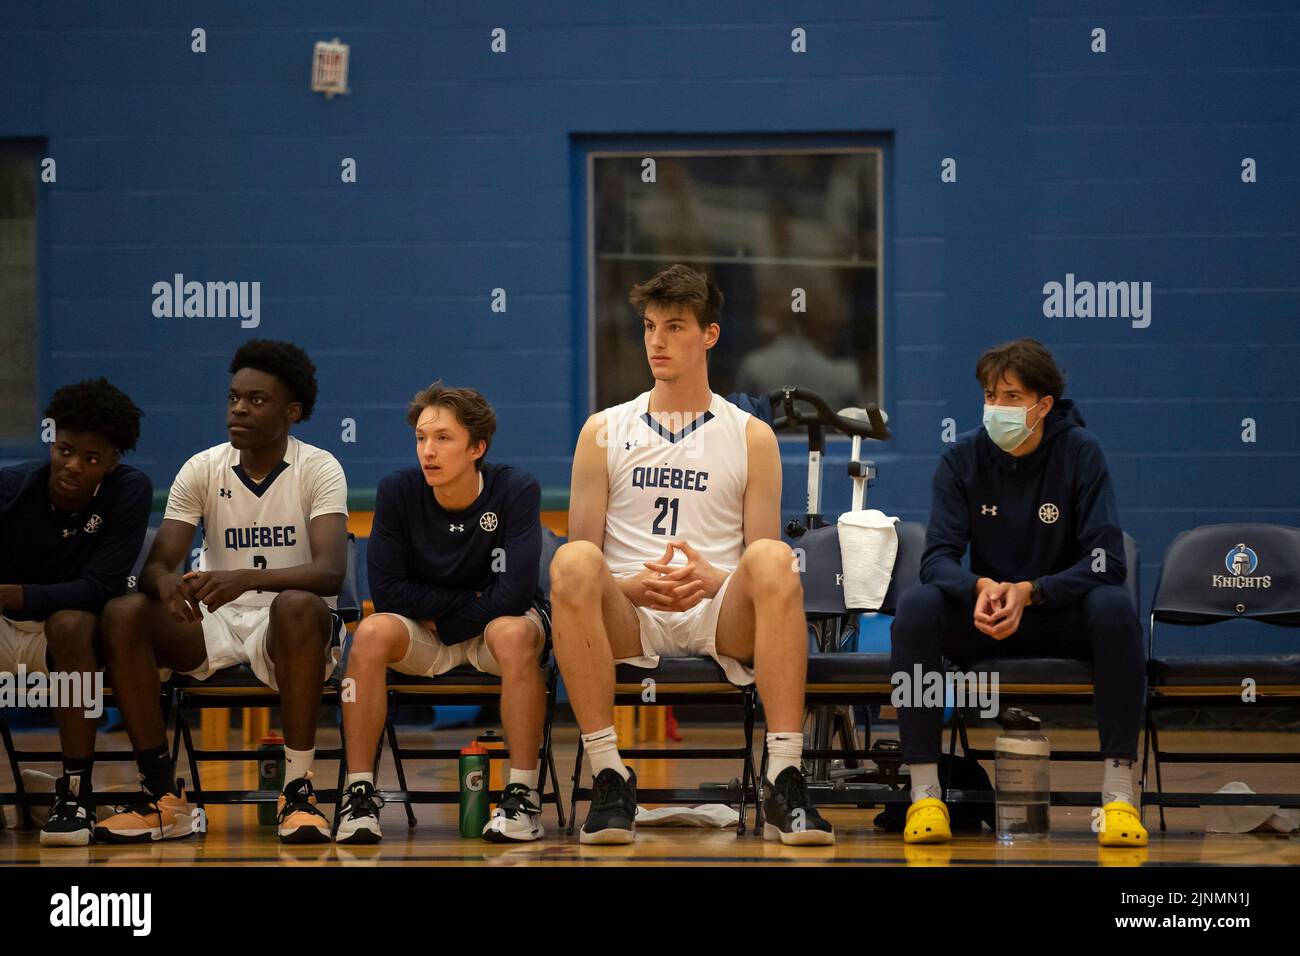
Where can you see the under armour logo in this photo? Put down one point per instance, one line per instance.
(629, 445)
(456, 527)
(989, 510)
(69, 532)
(226, 493)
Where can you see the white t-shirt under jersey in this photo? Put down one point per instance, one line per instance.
(247, 525)
(670, 479)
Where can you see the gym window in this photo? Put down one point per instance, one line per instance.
(761, 224)
(18, 270)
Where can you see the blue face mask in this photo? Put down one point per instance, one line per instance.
(1006, 425)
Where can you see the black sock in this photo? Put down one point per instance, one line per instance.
(157, 770)
(78, 769)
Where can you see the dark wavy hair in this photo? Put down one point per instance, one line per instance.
(680, 285)
(1029, 359)
(96, 405)
(290, 364)
(467, 404)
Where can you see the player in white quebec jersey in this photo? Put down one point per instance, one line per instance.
(675, 550)
(273, 511)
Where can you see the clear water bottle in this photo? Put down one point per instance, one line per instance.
(1023, 785)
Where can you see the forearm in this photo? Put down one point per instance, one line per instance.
(950, 577)
(41, 600)
(151, 579)
(313, 577)
(414, 599)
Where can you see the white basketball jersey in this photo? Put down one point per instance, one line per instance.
(251, 525)
(675, 479)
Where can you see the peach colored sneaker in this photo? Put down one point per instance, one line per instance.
(300, 820)
(146, 820)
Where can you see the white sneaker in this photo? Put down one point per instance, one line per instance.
(517, 818)
(359, 816)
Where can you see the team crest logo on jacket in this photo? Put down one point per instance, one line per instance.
(489, 521)
(93, 524)
(1048, 513)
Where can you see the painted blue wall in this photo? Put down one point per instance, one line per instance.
(1117, 166)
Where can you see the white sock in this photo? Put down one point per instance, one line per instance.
(297, 763)
(602, 751)
(358, 778)
(783, 750)
(1117, 784)
(925, 782)
(528, 777)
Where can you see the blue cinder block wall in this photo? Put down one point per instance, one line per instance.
(1115, 166)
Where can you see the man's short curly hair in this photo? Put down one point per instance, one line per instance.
(96, 405)
(287, 362)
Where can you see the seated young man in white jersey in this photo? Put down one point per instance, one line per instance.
(274, 515)
(675, 550)
(71, 528)
(452, 562)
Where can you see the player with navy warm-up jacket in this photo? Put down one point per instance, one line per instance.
(453, 564)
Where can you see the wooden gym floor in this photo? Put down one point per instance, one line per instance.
(234, 838)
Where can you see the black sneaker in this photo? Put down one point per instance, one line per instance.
(612, 818)
(299, 819)
(71, 822)
(790, 816)
(517, 818)
(359, 817)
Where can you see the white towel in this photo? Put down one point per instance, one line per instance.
(868, 546)
(1248, 819)
(710, 815)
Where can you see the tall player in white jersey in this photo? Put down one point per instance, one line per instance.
(675, 550)
(274, 515)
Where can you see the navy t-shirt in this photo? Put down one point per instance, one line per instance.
(74, 562)
(426, 563)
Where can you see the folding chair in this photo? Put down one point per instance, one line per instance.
(238, 686)
(1031, 681)
(838, 676)
(1212, 574)
(20, 797)
(465, 685)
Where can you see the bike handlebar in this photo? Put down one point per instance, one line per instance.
(785, 415)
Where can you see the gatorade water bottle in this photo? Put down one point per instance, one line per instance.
(473, 790)
(1023, 786)
(493, 742)
(270, 774)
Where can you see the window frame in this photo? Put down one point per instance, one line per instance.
(694, 146)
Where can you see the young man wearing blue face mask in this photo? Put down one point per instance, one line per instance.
(1030, 494)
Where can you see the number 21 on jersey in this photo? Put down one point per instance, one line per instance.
(665, 505)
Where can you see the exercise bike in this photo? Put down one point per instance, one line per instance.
(828, 724)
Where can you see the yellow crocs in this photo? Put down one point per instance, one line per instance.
(1121, 825)
(927, 822)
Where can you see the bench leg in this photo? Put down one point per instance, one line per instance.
(20, 793)
(197, 790)
(577, 777)
(547, 756)
(391, 731)
(1160, 786)
(749, 783)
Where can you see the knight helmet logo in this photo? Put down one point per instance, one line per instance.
(1241, 562)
